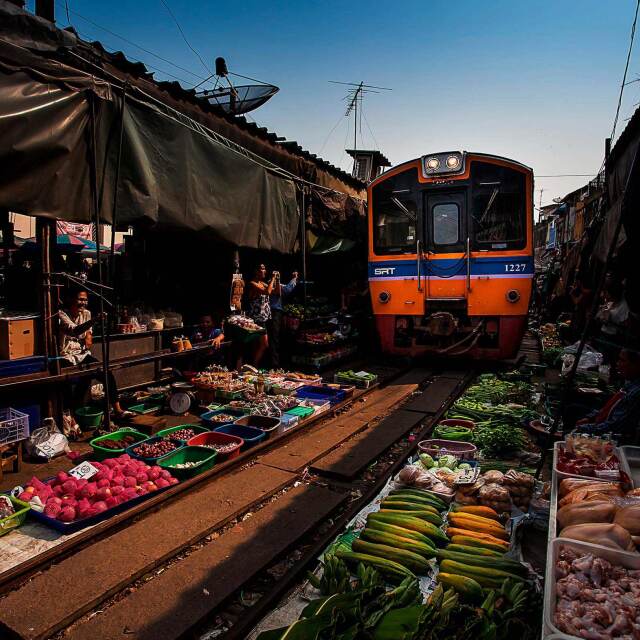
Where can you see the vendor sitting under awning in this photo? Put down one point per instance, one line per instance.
(620, 416)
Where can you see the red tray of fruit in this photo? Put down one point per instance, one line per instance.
(71, 504)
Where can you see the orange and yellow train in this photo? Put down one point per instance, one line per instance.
(451, 255)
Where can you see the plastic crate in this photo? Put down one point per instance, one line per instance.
(203, 457)
(288, 421)
(16, 519)
(196, 428)
(101, 453)
(14, 426)
(130, 450)
(214, 437)
(250, 435)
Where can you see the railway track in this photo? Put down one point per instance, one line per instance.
(184, 566)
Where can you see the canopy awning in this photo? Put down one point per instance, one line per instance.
(174, 173)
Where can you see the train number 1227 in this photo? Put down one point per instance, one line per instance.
(515, 267)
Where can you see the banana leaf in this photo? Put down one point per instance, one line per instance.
(307, 629)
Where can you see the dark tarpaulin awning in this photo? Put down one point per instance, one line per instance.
(337, 213)
(175, 173)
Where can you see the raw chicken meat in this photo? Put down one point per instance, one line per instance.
(595, 600)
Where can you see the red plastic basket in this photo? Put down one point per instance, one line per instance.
(212, 437)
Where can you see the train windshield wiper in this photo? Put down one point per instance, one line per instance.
(404, 209)
(492, 198)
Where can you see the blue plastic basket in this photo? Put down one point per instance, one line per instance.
(320, 392)
(250, 435)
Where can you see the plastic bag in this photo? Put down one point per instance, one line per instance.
(590, 358)
(47, 441)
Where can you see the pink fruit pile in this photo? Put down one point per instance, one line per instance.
(118, 480)
(154, 449)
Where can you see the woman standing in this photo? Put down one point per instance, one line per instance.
(258, 293)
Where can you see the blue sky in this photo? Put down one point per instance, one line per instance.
(534, 81)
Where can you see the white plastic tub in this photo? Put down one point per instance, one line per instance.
(622, 558)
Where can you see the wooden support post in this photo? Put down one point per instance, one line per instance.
(46, 236)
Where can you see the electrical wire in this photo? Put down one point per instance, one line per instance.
(329, 134)
(184, 37)
(131, 42)
(567, 175)
(150, 66)
(369, 127)
(626, 69)
(624, 80)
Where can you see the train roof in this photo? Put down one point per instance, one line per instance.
(466, 153)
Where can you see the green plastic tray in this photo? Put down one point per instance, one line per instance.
(301, 412)
(204, 456)
(15, 520)
(144, 408)
(196, 428)
(102, 453)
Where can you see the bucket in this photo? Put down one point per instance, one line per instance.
(89, 417)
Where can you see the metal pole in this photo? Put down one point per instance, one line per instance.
(303, 247)
(96, 216)
(114, 214)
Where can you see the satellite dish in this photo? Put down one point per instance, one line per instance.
(240, 99)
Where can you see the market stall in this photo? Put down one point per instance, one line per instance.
(438, 552)
(220, 416)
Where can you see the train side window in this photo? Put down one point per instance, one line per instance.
(446, 223)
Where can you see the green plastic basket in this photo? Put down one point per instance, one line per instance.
(203, 456)
(89, 416)
(17, 519)
(196, 428)
(102, 453)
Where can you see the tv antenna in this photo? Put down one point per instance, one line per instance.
(236, 99)
(354, 98)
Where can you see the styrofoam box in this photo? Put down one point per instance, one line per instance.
(626, 559)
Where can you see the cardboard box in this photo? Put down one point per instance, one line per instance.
(17, 338)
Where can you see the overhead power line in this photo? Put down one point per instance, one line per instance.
(626, 69)
(566, 175)
(131, 42)
(184, 37)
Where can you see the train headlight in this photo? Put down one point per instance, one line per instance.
(433, 164)
(513, 295)
(384, 297)
(453, 162)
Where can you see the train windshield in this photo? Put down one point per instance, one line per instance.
(394, 208)
(498, 207)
